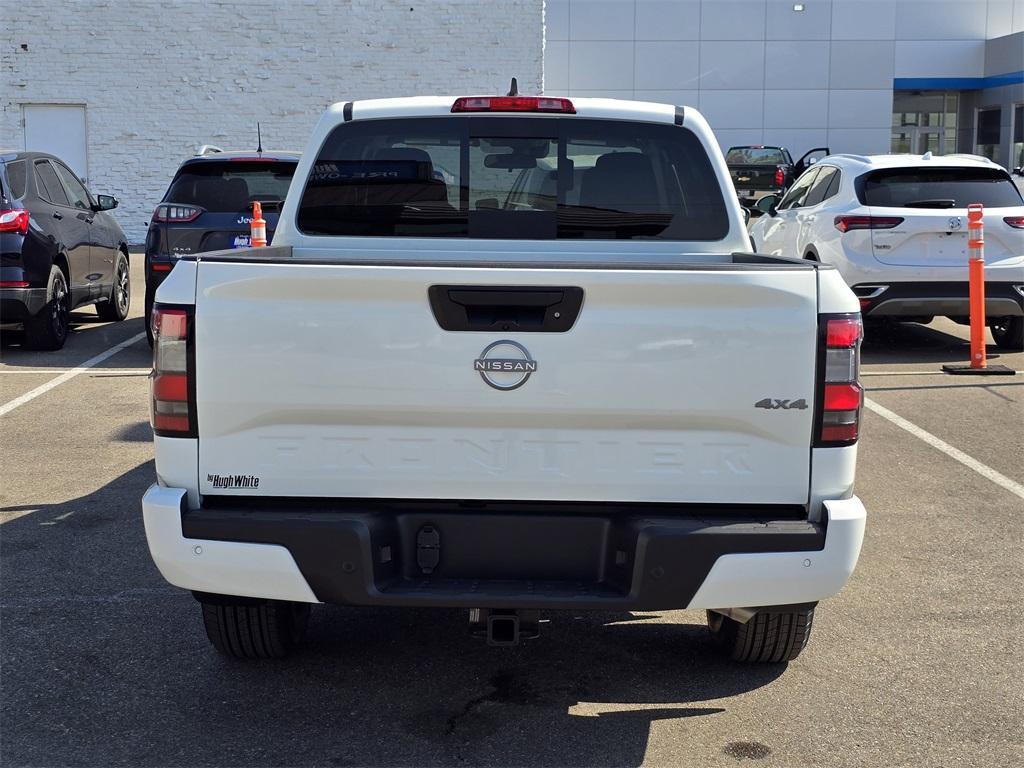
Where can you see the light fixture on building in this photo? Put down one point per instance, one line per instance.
(798, 7)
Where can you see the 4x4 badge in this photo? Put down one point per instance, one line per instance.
(773, 405)
(505, 365)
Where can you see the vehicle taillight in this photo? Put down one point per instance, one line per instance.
(14, 220)
(847, 223)
(780, 177)
(840, 393)
(173, 377)
(513, 104)
(172, 212)
(1017, 222)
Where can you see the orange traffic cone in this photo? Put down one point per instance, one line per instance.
(258, 227)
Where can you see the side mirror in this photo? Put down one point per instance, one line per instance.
(746, 214)
(105, 203)
(1019, 170)
(767, 204)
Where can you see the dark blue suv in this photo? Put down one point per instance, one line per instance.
(60, 249)
(208, 207)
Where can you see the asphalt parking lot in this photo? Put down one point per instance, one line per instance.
(916, 663)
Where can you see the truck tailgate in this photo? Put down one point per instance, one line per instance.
(336, 380)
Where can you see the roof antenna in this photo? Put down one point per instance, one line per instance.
(514, 89)
(259, 139)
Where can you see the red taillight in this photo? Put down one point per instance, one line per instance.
(843, 332)
(841, 395)
(1017, 222)
(13, 283)
(513, 104)
(173, 405)
(780, 177)
(171, 212)
(847, 223)
(14, 220)
(158, 267)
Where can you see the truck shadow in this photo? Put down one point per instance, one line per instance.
(88, 336)
(92, 638)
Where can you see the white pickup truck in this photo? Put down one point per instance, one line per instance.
(508, 354)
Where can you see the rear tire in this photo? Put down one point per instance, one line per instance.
(149, 315)
(49, 328)
(1008, 333)
(115, 308)
(250, 629)
(767, 638)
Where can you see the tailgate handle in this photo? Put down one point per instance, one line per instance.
(500, 308)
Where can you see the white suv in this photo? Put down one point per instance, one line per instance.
(896, 228)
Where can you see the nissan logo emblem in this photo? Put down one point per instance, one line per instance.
(505, 365)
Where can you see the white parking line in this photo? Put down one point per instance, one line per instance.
(45, 371)
(954, 453)
(907, 373)
(56, 382)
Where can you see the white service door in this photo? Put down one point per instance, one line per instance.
(60, 130)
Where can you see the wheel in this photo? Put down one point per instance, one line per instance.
(149, 313)
(767, 637)
(251, 629)
(49, 328)
(115, 308)
(1008, 333)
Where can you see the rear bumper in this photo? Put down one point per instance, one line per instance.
(949, 299)
(18, 304)
(376, 554)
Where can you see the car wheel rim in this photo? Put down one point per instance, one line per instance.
(60, 309)
(122, 288)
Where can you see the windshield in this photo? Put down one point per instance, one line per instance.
(519, 178)
(938, 188)
(230, 186)
(756, 156)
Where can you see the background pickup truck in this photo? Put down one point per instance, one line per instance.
(507, 354)
(757, 171)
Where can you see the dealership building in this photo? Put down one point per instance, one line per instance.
(124, 90)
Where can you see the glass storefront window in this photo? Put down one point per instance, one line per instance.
(1017, 159)
(924, 121)
(987, 132)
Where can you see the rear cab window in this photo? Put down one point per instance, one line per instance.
(756, 156)
(513, 178)
(231, 186)
(938, 188)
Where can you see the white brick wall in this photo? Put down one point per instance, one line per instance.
(161, 77)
